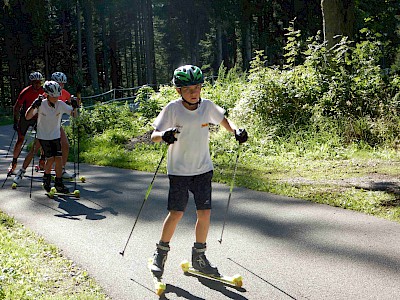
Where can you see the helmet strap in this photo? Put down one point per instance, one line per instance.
(191, 104)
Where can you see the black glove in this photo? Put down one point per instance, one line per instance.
(241, 135)
(15, 126)
(74, 103)
(168, 135)
(37, 102)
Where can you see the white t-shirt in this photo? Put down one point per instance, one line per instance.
(49, 119)
(190, 154)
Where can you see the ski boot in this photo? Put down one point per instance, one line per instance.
(47, 182)
(19, 176)
(66, 175)
(12, 167)
(60, 187)
(159, 259)
(200, 261)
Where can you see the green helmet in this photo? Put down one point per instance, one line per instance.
(187, 75)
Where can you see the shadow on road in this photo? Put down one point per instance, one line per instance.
(75, 209)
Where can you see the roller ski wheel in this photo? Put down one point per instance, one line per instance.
(236, 280)
(14, 185)
(82, 179)
(159, 285)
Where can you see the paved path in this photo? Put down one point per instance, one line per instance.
(284, 248)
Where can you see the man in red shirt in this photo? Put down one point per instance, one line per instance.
(21, 124)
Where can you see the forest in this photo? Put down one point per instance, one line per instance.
(101, 45)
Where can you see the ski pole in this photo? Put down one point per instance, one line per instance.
(8, 150)
(33, 162)
(145, 199)
(9, 173)
(230, 193)
(74, 137)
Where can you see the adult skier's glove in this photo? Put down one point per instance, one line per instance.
(168, 135)
(37, 102)
(74, 102)
(241, 135)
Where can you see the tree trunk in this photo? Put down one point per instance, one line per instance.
(338, 19)
(219, 43)
(91, 54)
(149, 41)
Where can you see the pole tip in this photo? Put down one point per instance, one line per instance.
(122, 253)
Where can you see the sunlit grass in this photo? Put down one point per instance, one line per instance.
(305, 174)
(30, 268)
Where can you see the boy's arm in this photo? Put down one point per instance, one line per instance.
(240, 133)
(156, 136)
(30, 113)
(228, 125)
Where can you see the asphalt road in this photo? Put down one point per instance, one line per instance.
(284, 248)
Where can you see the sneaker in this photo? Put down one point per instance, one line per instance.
(200, 261)
(66, 175)
(159, 259)
(19, 176)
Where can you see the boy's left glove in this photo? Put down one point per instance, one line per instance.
(241, 135)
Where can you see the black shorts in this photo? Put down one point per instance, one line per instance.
(51, 147)
(24, 124)
(199, 185)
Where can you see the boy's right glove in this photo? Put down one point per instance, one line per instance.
(241, 135)
(168, 135)
(37, 102)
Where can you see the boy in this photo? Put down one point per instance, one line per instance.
(184, 125)
(21, 124)
(49, 113)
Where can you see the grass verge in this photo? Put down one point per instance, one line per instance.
(360, 180)
(33, 269)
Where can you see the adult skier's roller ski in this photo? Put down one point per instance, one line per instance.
(236, 280)
(159, 286)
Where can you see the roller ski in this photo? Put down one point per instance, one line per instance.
(202, 267)
(236, 280)
(159, 286)
(53, 192)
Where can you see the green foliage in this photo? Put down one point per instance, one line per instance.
(105, 116)
(226, 89)
(151, 103)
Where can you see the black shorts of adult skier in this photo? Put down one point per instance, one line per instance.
(184, 125)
